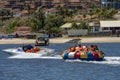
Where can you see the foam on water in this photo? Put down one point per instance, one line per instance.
(107, 60)
(31, 56)
(51, 57)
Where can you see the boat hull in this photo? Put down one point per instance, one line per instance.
(42, 52)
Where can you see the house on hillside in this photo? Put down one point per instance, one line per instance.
(66, 29)
(66, 26)
(16, 13)
(105, 28)
(23, 31)
(25, 13)
(50, 11)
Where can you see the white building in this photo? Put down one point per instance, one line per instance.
(113, 26)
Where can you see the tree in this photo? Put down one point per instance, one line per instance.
(1, 23)
(83, 25)
(35, 25)
(111, 12)
(53, 22)
(74, 25)
(37, 21)
(64, 12)
(60, 9)
(84, 16)
(2, 13)
(41, 17)
(11, 26)
(7, 13)
(91, 13)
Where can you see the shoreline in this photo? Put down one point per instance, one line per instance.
(63, 40)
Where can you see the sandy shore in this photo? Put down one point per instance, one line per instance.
(63, 40)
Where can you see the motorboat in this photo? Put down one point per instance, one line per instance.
(40, 52)
(42, 40)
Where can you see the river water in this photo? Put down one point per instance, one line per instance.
(14, 67)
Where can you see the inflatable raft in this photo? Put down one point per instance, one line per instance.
(89, 56)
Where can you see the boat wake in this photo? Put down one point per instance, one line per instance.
(35, 56)
(44, 53)
(107, 60)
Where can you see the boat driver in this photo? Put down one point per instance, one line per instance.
(27, 47)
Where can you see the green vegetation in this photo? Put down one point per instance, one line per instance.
(51, 24)
(11, 25)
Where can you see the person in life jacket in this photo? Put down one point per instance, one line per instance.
(27, 47)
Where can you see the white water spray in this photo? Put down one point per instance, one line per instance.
(34, 56)
(107, 60)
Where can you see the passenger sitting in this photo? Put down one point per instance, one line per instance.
(96, 48)
(92, 48)
(30, 51)
(27, 47)
(85, 49)
(36, 49)
(30, 47)
(71, 49)
(24, 48)
(81, 48)
(78, 48)
(20, 48)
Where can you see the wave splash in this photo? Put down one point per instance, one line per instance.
(35, 56)
(107, 60)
